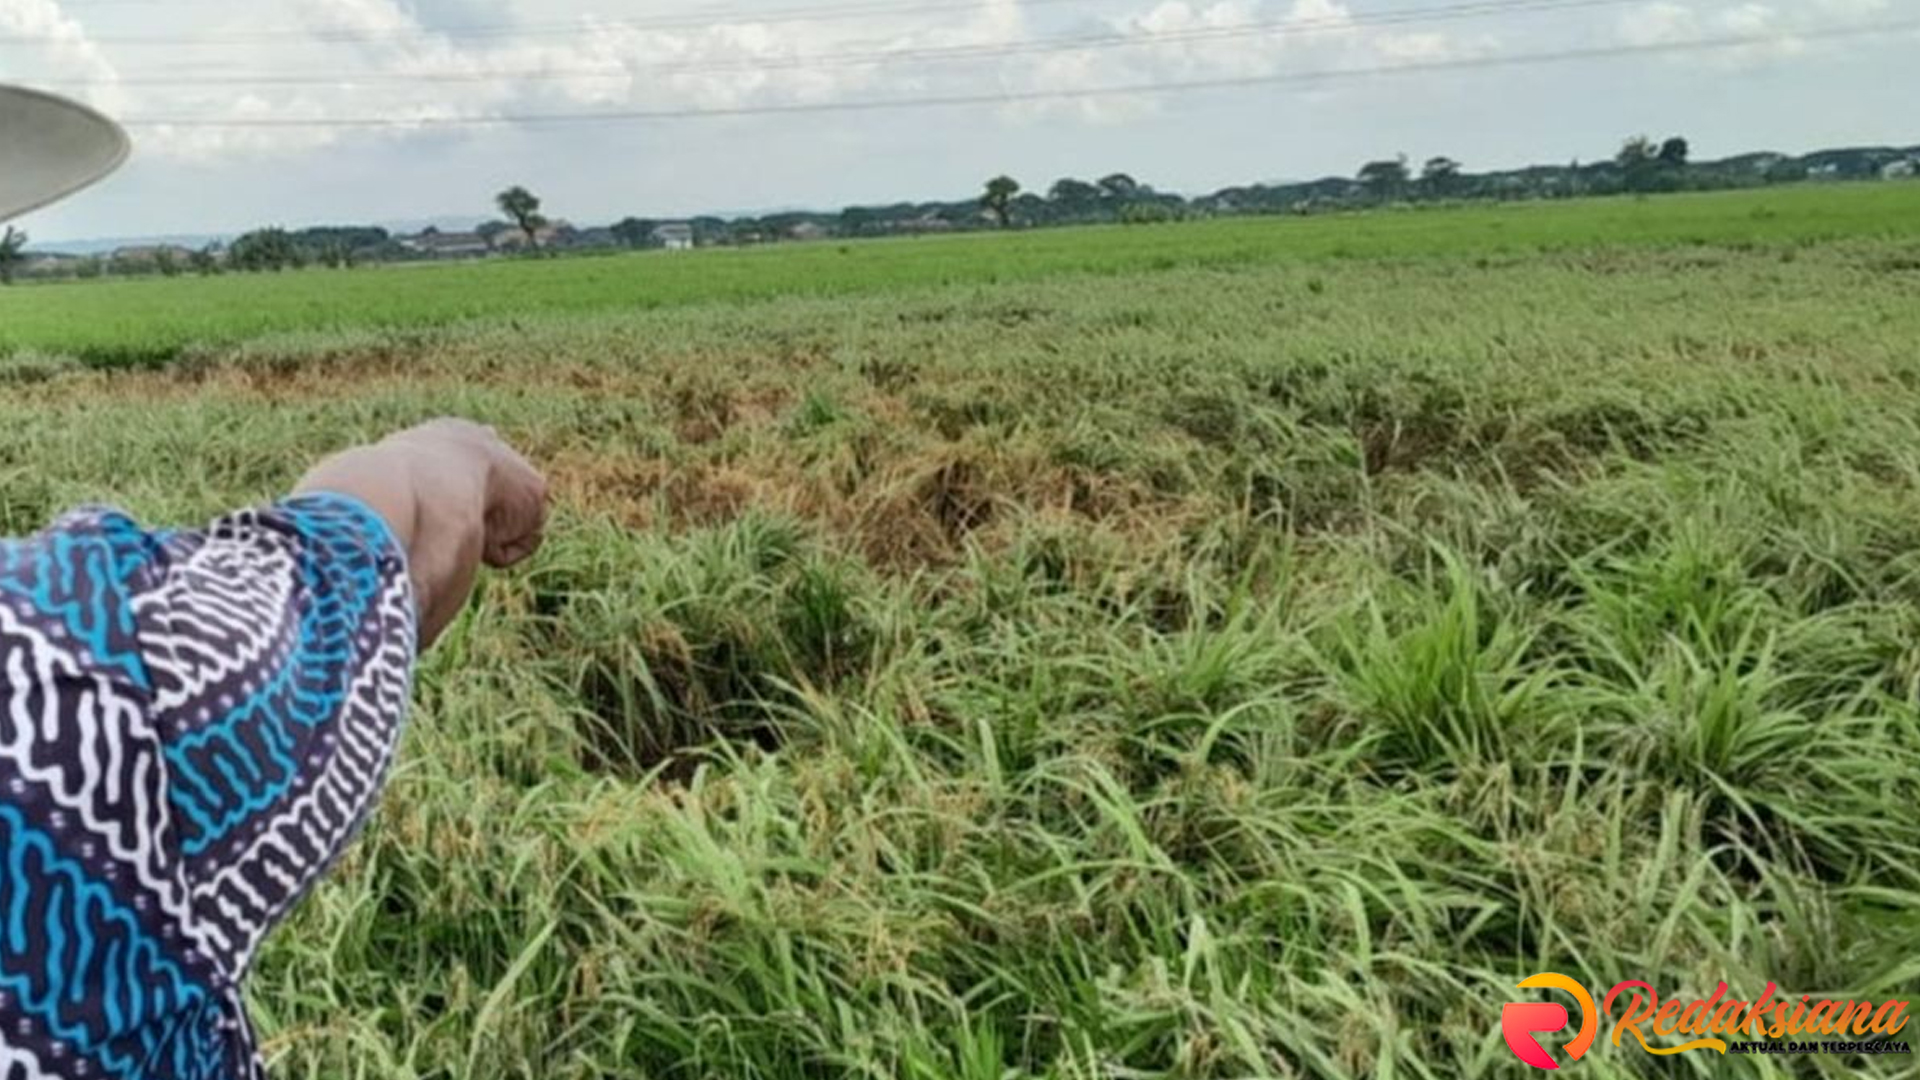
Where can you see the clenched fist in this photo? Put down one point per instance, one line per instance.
(456, 495)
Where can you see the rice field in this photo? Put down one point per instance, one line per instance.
(1242, 649)
(155, 320)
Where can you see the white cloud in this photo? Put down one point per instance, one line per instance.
(1427, 48)
(51, 41)
(391, 64)
(1856, 10)
(407, 59)
(1658, 24)
(1178, 44)
(1780, 31)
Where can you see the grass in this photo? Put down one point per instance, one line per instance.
(155, 320)
(1248, 666)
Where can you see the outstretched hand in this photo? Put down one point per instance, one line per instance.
(455, 495)
(515, 492)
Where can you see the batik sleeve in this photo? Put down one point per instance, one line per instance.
(281, 644)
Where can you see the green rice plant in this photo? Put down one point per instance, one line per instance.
(1246, 649)
(1438, 677)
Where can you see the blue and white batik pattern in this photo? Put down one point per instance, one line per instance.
(192, 727)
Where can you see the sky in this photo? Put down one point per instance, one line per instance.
(236, 106)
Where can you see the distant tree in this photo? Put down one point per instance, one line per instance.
(1674, 151)
(1385, 180)
(264, 249)
(205, 262)
(13, 245)
(1146, 213)
(1072, 193)
(340, 245)
(1786, 170)
(999, 197)
(866, 220)
(959, 215)
(1440, 177)
(522, 207)
(1072, 200)
(634, 232)
(1639, 161)
(1576, 179)
(165, 262)
(1119, 186)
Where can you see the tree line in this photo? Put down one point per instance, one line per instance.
(1640, 166)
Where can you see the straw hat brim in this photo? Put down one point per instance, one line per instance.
(51, 147)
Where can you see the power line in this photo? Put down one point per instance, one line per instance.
(1017, 97)
(929, 54)
(824, 13)
(818, 13)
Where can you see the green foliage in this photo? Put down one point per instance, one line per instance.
(265, 249)
(1119, 186)
(635, 232)
(522, 207)
(338, 247)
(13, 244)
(1074, 194)
(1146, 213)
(1649, 166)
(341, 247)
(1386, 180)
(1440, 177)
(999, 198)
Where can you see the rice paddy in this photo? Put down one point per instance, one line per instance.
(1218, 650)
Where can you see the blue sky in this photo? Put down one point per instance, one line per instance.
(1788, 87)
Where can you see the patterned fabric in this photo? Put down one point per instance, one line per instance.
(192, 727)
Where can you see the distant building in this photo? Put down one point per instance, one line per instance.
(49, 264)
(439, 245)
(589, 239)
(1901, 170)
(543, 236)
(807, 230)
(673, 235)
(151, 254)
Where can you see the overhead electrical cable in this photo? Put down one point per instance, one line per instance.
(591, 27)
(926, 54)
(604, 116)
